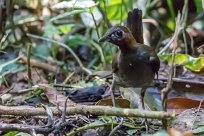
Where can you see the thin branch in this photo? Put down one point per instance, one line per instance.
(95, 23)
(40, 64)
(167, 46)
(104, 13)
(85, 110)
(171, 71)
(116, 128)
(187, 81)
(98, 47)
(165, 91)
(24, 128)
(65, 46)
(29, 65)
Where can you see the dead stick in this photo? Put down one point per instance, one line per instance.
(85, 110)
(40, 64)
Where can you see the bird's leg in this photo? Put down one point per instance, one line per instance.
(142, 94)
(112, 89)
(164, 93)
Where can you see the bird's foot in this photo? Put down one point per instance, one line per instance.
(146, 124)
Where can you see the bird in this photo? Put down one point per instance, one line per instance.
(135, 64)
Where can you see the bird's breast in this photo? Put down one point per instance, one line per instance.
(133, 72)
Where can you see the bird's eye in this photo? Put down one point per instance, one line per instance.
(119, 33)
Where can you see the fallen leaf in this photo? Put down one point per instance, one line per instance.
(55, 98)
(174, 132)
(120, 102)
(181, 104)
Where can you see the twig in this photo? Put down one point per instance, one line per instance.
(25, 21)
(192, 45)
(180, 80)
(51, 126)
(50, 120)
(7, 90)
(104, 14)
(3, 39)
(62, 85)
(85, 110)
(167, 46)
(65, 46)
(59, 124)
(88, 126)
(24, 128)
(40, 64)
(98, 47)
(68, 77)
(29, 65)
(183, 21)
(165, 91)
(97, 31)
(181, 27)
(116, 128)
(171, 72)
(21, 91)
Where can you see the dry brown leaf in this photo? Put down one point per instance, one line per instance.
(120, 102)
(38, 76)
(55, 98)
(174, 132)
(180, 104)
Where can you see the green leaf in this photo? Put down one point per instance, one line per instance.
(77, 40)
(12, 133)
(171, 24)
(198, 130)
(172, 13)
(42, 50)
(50, 30)
(200, 124)
(199, 6)
(194, 64)
(131, 125)
(113, 9)
(65, 28)
(179, 58)
(22, 134)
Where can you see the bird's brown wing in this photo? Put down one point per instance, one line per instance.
(134, 23)
(155, 63)
(148, 55)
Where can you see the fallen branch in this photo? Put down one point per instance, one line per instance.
(39, 64)
(181, 80)
(85, 110)
(25, 128)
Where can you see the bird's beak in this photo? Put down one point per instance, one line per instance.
(104, 38)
